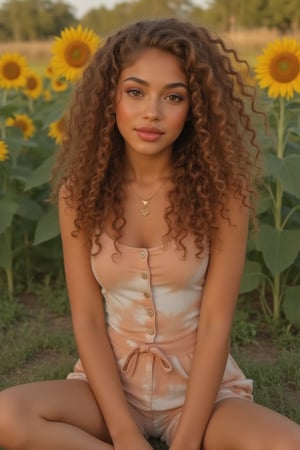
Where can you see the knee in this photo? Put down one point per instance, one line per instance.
(285, 441)
(13, 420)
(291, 442)
(288, 439)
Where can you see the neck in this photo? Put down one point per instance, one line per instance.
(147, 170)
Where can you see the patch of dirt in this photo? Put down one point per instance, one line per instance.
(264, 350)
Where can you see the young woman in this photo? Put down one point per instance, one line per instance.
(154, 199)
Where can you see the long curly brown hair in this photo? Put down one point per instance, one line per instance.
(216, 153)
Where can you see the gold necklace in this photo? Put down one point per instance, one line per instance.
(145, 210)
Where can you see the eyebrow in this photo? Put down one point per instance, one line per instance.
(168, 86)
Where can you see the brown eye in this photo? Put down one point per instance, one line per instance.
(133, 92)
(175, 98)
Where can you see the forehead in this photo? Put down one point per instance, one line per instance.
(151, 63)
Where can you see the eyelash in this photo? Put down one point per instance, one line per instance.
(175, 98)
(133, 92)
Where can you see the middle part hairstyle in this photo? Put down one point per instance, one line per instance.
(214, 156)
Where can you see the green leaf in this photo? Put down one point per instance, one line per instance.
(41, 175)
(6, 253)
(47, 227)
(18, 140)
(292, 147)
(20, 173)
(295, 131)
(54, 113)
(28, 209)
(8, 110)
(264, 203)
(270, 162)
(8, 209)
(286, 170)
(252, 277)
(293, 106)
(279, 248)
(291, 305)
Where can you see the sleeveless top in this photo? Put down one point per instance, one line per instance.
(152, 299)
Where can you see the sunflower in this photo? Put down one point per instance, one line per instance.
(3, 151)
(49, 71)
(34, 84)
(56, 130)
(13, 69)
(278, 68)
(72, 51)
(58, 84)
(23, 122)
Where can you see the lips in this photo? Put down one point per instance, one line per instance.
(149, 134)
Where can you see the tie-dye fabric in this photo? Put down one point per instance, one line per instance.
(152, 300)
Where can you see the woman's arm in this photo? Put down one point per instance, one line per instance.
(90, 333)
(213, 340)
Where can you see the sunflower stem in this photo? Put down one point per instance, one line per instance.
(9, 268)
(30, 105)
(278, 207)
(4, 98)
(3, 129)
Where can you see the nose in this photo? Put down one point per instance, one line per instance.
(152, 110)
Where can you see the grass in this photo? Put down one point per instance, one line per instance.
(36, 343)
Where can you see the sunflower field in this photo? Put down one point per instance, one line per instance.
(31, 122)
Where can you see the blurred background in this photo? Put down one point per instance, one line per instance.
(29, 26)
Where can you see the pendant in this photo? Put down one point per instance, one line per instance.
(145, 209)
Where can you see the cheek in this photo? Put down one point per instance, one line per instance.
(121, 115)
(124, 110)
(179, 119)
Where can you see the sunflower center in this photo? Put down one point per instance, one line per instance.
(59, 83)
(11, 70)
(49, 70)
(31, 83)
(77, 54)
(285, 67)
(21, 124)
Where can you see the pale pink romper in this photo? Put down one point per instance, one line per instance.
(152, 299)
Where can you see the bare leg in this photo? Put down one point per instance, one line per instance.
(238, 424)
(52, 415)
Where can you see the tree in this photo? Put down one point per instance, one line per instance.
(106, 21)
(282, 14)
(34, 19)
(230, 14)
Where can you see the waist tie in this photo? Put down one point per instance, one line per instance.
(131, 360)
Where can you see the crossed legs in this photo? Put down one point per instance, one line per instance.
(63, 415)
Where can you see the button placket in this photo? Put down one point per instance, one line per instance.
(145, 274)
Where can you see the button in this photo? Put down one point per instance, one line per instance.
(144, 275)
(143, 254)
(147, 295)
(150, 312)
(150, 331)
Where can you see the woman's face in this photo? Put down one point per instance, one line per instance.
(152, 103)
